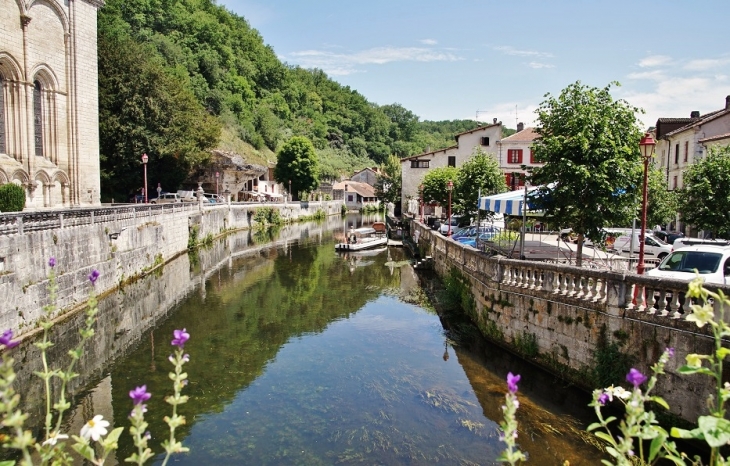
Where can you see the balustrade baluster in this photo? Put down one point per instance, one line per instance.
(662, 304)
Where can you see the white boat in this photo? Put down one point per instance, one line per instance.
(362, 238)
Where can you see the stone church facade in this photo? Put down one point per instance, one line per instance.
(49, 105)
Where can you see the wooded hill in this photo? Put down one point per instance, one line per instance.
(178, 78)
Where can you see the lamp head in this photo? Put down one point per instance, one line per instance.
(145, 158)
(647, 145)
(449, 185)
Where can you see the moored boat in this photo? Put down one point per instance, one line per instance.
(362, 238)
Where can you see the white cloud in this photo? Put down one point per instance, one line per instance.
(536, 65)
(429, 41)
(706, 63)
(510, 113)
(655, 75)
(509, 50)
(343, 63)
(654, 60)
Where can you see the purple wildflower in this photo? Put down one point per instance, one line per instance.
(93, 276)
(139, 395)
(7, 339)
(181, 336)
(603, 399)
(52, 262)
(635, 377)
(512, 382)
(670, 352)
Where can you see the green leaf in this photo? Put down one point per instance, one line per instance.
(660, 401)
(722, 353)
(716, 430)
(656, 446)
(605, 437)
(686, 370)
(114, 434)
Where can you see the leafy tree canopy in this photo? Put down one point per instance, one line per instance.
(388, 186)
(705, 195)
(297, 162)
(589, 144)
(662, 204)
(480, 173)
(435, 182)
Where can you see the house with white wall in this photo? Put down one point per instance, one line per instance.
(515, 156)
(415, 168)
(366, 175)
(356, 195)
(683, 142)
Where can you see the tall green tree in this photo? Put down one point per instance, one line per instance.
(434, 185)
(144, 108)
(480, 173)
(705, 194)
(662, 203)
(589, 144)
(297, 164)
(388, 185)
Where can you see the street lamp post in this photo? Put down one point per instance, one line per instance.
(217, 175)
(145, 158)
(420, 190)
(291, 196)
(449, 187)
(647, 145)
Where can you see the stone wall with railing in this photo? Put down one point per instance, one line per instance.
(567, 319)
(122, 243)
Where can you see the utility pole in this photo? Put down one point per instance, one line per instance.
(479, 112)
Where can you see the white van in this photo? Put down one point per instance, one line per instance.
(710, 261)
(654, 248)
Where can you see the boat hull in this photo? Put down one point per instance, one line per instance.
(359, 246)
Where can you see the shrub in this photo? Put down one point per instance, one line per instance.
(12, 198)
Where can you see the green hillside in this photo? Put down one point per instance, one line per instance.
(178, 78)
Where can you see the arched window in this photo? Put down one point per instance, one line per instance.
(38, 119)
(3, 148)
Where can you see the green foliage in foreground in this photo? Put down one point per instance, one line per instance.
(637, 438)
(12, 198)
(297, 166)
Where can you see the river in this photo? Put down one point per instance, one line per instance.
(300, 355)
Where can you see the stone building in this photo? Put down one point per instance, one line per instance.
(515, 152)
(49, 112)
(414, 168)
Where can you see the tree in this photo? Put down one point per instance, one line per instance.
(662, 206)
(590, 146)
(480, 173)
(434, 185)
(705, 195)
(388, 185)
(297, 164)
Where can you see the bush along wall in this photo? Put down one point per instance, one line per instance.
(12, 198)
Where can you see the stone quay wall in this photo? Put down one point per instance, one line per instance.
(122, 243)
(566, 319)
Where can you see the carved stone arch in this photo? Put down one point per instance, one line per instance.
(21, 176)
(59, 189)
(9, 67)
(57, 9)
(22, 9)
(45, 75)
(3, 177)
(42, 176)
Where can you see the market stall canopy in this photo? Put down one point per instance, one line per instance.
(509, 203)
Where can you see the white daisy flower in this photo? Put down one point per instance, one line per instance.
(95, 428)
(55, 437)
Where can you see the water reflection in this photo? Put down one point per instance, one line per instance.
(300, 355)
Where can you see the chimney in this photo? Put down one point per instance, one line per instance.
(345, 187)
(694, 114)
(520, 126)
(495, 121)
(727, 103)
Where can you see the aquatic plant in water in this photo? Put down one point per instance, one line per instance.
(94, 442)
(638, 438)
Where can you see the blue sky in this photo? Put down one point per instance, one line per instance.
(449, 60)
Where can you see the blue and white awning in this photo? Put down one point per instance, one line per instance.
(509, 203)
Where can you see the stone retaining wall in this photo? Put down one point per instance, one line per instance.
(563, 318)
(121, 243)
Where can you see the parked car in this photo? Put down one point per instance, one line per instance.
(668, 236)
(444, 228)
(711, 262)
(166, 198)
(684, 242)
(653, 246)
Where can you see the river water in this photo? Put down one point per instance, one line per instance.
(303, 356)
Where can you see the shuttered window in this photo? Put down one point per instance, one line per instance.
(514, 155)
